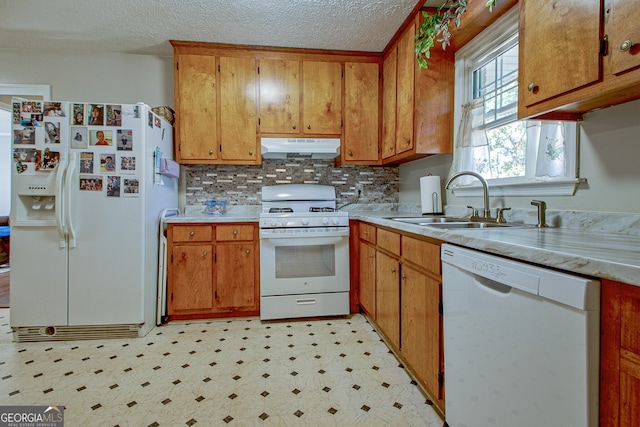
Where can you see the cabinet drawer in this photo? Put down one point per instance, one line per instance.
(368, 232)
(192, 233)
(421, 253)
(389, 241)
(234, 232)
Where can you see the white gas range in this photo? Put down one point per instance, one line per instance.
(304, 252)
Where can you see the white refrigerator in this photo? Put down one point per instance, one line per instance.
(87, 193)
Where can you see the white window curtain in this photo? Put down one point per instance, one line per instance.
(471, 150)
(546, 150)
(545, 157)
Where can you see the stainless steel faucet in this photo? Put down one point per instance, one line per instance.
(542, 212)
(485, 189)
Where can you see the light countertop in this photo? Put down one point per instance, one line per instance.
(610, 255)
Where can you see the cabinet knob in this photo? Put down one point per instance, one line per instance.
(365, 232)
(193, 233)
(390, 148)
(210, 152)
(407, 140)
(350, 152)
(251, 152)
(404, 277)
(248, 251)
(393, 270)
(531, 87)
(308, 126)
(371, 256)
(235, 232)
(294, 127)
(204, 253)
(626, 45)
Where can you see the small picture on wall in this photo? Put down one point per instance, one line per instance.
(114, 115)
(78, 114)
(16, 113)
(95, 113)
(86, 162)
(101, 137)
(127, 164)
(90, 183)
(113, 186)
(124, 138)
(158, 122)
(131, 187)
(150, 119)
(32, 107)
(79, 137)
(25, 154)
(107, 162)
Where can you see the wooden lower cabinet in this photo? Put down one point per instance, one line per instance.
(213, 270)
(367, 287)
(192, 265)
(401, 290)
(421, 342)
(620, 355)
(388, 297)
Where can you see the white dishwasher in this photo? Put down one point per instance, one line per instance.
(521, 343)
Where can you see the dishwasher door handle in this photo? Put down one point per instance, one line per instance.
(496, 288)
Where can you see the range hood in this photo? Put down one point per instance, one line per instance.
(314, 148)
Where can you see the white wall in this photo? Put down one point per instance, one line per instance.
(109, 77)
(609, 160)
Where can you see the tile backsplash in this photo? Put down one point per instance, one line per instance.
(242, 185)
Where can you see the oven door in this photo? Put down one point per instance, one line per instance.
(304, 261)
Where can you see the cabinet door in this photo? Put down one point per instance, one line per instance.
(196, 107)
(389, 104)
(559, 48)
(388, 297)
(322, 102)
(405, 91)
(421, 327)
(235, 277)
(368, 279)
(238, 110)
(191, 285)
(620, 355)
(624, 35)
(361, 112)
(279, 96)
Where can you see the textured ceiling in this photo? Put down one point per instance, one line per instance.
(145, 26)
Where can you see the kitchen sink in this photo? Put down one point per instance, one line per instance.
(448, 223)
(473, 224)
(426, 220)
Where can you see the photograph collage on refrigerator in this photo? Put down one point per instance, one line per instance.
(37, 132)
(105, 149)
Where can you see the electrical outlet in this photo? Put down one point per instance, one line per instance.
(359, 189)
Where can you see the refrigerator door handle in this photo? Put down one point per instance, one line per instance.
(59, 207)
(69, 183)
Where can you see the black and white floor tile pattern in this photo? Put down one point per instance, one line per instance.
(216, 373)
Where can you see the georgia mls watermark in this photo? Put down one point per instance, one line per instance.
(31, 416)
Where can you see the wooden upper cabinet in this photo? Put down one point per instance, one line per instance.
(417, 105)
(361, 83)
(405, 81)
(389, 104)
(195, 97)
(559, 48)
(279, 96)
(624, 35)
(238, 110)
(322, 100)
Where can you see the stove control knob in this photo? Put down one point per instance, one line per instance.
(283, 223)
(336, 221)
(305, 221)
(274, 222)
(325, 221)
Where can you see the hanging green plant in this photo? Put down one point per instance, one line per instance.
(436, 28)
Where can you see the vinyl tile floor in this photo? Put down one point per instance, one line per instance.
(243, 372)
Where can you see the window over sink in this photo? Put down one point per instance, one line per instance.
(516, 157)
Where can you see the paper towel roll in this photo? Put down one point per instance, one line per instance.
(430, 194)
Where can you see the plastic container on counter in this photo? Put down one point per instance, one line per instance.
(216, 207)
